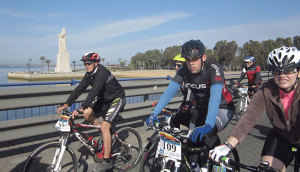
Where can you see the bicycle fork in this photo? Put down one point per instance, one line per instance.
(59, 153)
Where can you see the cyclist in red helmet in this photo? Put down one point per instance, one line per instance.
(106, 98)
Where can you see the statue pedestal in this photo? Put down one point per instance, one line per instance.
(63, 62)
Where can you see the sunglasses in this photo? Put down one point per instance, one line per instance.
(178, 65)
(287, 71)
(88, 63)
(193, 59)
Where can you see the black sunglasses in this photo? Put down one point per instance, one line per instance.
(287, 71)
(178, 65)
(193, 59)
(87, 63)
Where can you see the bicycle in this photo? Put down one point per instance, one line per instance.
(243, 101)
(59, 155)
(263, 166)
(170, 149)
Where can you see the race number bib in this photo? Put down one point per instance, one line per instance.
(169, 146)
(63, 124)
(244, 90)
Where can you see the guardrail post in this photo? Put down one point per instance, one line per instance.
(169, 77)
(146, 97)
(73, 82)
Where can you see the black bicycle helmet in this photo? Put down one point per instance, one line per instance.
(91, 57)
(192, 48)
(284, 58)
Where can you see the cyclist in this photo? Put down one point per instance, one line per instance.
(179, 61)
(106, 98)
(253, 74)
(280, 98)
(206, 81)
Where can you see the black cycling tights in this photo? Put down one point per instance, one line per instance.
(278, 147)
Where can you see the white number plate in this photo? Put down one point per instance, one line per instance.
(63, 124)
(169, 146)
(244, 90)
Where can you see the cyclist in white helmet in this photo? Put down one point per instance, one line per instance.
(280, 98)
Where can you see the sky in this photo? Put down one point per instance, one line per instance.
(122, 28)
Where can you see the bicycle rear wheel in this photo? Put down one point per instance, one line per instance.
(42, 159)
(126, 148)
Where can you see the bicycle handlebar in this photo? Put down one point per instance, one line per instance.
(163, 127)
(264, 166)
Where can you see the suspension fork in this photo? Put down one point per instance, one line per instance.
(60, 152)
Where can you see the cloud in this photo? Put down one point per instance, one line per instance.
(116, 29)
(90, 40)
(288, 27)
(13, 13)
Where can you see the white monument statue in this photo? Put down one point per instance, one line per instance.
(63, 58)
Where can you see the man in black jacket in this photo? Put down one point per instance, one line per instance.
(106, 98)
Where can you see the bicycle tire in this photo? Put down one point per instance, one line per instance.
(149, 163)
(41, 158)
(126, 149)
(240, 107)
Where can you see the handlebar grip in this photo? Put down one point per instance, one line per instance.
(227, 160)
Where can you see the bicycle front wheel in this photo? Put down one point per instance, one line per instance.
(126, 148)
(43, 159)
(240, 107)
(150, 163)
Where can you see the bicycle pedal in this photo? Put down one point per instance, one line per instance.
(97, 159)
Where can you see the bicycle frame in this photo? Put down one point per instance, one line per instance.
(73, 128)
(245, 94)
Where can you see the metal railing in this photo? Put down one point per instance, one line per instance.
(16, 103)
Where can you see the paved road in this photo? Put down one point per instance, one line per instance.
(13, 153)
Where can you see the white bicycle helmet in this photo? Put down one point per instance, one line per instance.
(284, 58)
(249, 59)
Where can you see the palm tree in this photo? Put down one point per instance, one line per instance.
(48, 63)
(42, 58)
(103, 59)
(74, 64)
(120, 61)
(125, 64)
(29, 64)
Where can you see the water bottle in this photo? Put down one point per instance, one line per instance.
(195, 166)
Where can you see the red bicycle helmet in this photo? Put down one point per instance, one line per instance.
(91, 57)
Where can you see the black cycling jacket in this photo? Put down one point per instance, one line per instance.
(105, 88)
(200, 84)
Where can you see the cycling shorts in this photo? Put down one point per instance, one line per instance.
(110, 111)
(276, 146)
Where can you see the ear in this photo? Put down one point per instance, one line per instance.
(204, 57)
(298, 73)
